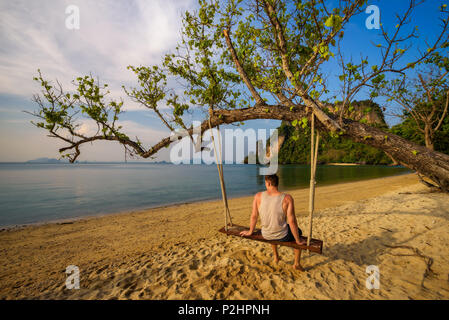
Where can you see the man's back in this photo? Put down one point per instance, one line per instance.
(272, 216)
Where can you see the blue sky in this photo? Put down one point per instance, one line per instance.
(112, 35)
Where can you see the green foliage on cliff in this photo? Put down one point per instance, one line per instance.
(334, 148)
(296, 146)
(331, 149)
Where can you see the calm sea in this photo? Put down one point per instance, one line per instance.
(32, 193)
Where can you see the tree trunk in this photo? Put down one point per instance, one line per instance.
(428, 137)
(432, 164)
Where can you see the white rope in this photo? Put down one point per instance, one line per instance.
(313, 161)
(218, 155)
(228, 213)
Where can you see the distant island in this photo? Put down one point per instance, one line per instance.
(47, 160)
(59, 161)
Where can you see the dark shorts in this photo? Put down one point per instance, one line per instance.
(289, 236)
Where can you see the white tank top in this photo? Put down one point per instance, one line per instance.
(272, 216)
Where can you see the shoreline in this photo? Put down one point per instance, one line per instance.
(176, 252)
(343, 164)
(64, 221)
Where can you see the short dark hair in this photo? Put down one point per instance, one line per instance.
(273, 178)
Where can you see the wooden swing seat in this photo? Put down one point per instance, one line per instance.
(315, 244)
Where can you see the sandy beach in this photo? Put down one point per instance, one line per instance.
(394, 223)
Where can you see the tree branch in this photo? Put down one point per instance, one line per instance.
(308, 101)
(444, 113)
(241, 71)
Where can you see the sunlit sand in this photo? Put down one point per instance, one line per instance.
(175, 252)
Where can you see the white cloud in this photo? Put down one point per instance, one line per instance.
(112, 35)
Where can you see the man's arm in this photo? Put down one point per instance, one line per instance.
(291, 218)
(254, 216)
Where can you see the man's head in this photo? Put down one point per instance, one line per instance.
(272, 181)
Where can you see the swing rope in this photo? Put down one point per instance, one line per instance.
(313, 161)
(218, 160)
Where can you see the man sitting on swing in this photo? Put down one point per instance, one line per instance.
(277, 215)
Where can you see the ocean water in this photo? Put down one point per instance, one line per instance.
(34, 193)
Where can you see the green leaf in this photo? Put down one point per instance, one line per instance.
(333, 21)
(329, 22)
